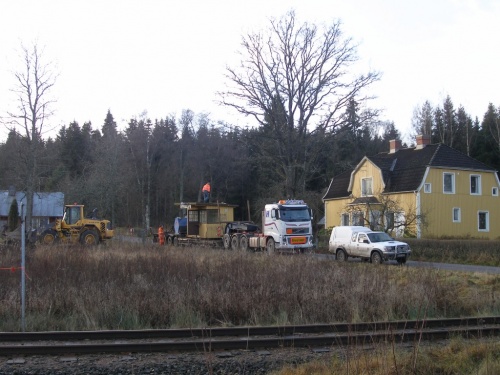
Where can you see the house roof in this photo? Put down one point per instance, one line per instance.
(44, 204)
(404, 169)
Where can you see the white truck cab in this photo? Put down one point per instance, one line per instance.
(361, 242)
(287, 225)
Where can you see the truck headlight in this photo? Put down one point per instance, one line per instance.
(389, 248)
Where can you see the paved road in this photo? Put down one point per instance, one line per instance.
(441, 266)
(456, 267)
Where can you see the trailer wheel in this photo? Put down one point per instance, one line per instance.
(169, 241)
(226, 239)
(244, 243)
(270, 246)
(176, 241)
(49, 237)
(234, 242)
(89, 238)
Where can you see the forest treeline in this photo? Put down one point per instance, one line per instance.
(136, 176)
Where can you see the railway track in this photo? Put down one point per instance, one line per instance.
(216, 339)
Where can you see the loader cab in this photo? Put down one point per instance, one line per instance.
(72, 214)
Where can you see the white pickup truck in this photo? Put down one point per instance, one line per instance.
(361, 242)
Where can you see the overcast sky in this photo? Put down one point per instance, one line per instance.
(162, 56)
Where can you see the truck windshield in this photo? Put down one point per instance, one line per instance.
(379, 237)
(294, 214)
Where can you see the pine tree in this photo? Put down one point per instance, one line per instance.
(13, 215)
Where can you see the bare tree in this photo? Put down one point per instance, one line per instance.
(423, 120)
(387, 214)
(289, 76)
(34, 106)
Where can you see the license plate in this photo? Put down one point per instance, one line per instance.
(298, 240)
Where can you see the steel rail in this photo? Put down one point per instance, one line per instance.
(245, 331)
(260, 337)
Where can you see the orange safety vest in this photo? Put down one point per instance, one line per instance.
(206, 187)
(161, 236)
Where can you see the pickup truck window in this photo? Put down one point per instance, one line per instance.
(379, 237)
(361, 238)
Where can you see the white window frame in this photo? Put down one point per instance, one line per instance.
(487, 221)
(364, 192)
(427, 187)
(478, 184)
(452, 175)
(494, 191)
(458, 217)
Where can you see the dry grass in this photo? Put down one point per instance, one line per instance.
(458, 357)
(127, 286)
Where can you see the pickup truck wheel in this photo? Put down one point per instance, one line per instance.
(244, 243)
(376, 258)
(341, 256)
(89, 238)
(226, 240)
(234, 242)
(270, 246)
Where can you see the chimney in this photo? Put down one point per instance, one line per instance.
(422, 141)
(394, 145)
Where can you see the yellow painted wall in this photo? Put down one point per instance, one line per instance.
(438, 206)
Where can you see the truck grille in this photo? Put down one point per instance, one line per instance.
(401, 249)
(300, 231)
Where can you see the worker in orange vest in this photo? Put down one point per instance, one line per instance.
(161, 236)
(206, 192)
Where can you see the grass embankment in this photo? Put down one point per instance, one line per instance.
(127, 286)
(465, 251)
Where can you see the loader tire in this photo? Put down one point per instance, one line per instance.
(89, 238)
(49, 237)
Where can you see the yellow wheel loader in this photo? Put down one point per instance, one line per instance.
(74, 227)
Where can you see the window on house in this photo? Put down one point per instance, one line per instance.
(366, 187)
(456, 214)
(483, 221)
(494, 191)
(358, 219)
(449, 183)
(375, 220)
(344, 219)
(389, 220)
(427, 188)
(475, 184)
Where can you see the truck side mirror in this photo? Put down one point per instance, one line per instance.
(366, 241)
(311, 213)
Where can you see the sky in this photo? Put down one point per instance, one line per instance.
(163, 56)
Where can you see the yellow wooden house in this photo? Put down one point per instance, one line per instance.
(427, 191)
